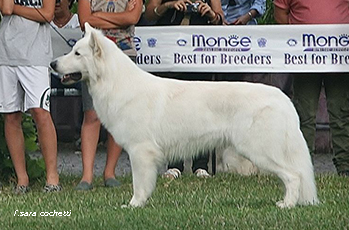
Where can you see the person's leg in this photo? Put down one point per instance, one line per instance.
(113, 155)
(201, 161)
(15, 143)
(48, 143)
(337, 96)
(89, 140)
(11, 97)
(306, 92)
(177, 164)
(200, 164)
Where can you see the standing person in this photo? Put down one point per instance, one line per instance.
(246, 12)
(25, 54)
(116, 18)
(167, 12)
(243, 12)
(185, 12)
(63, 17)
(307, 86)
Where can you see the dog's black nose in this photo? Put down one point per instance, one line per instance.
(53, 64)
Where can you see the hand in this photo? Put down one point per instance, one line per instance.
(205, 10)
(180, 5)
(242, 20)
(131, 5)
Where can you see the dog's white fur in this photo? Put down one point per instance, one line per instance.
(229, 161)
(158, 119)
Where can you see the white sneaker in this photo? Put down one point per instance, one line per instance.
(202, 173)
(172, 173)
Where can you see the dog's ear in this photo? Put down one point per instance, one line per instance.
(95, 44)
(88, 28)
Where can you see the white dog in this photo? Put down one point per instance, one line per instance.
(157, 119)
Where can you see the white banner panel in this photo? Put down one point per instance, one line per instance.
(262, 48)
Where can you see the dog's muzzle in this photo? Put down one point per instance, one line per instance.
(67, 77)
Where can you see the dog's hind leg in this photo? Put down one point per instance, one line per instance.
(277, 164)
(292, 184)
(145, 160)
(290, 178)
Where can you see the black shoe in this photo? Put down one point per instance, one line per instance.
(343, 173)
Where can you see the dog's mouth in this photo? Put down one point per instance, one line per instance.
(71, 77)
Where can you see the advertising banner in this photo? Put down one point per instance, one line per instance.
(262, 48)
(270, 48)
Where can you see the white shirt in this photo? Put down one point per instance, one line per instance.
(72, 24)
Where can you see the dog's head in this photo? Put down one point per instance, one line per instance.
(81, 63)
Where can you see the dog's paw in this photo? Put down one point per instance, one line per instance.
(283, 204)
(127, 206)
(136, 203)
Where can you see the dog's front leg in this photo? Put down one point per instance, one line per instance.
(144, 162)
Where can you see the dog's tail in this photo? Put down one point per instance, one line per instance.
(303, 164)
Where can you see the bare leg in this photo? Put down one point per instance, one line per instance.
(48, 143)
(89, 140)
(113, 155)
(15, 143)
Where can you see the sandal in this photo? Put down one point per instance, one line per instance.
(21, 189)
(52, 188)
(172, 173)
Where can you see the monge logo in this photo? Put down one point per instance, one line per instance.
(232, 43)
(138, 43)
(329, 43)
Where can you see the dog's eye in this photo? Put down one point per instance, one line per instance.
(77, 53)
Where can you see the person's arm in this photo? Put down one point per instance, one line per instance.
(244, 19)
(109, 20)
(218, 15)
(123, 19)
(155, 9)
(259, 6)
(46, 11)
(281, 15)
(85, 15)
(6, 7)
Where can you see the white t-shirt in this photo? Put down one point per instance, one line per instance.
(24, 42)
(72, 24)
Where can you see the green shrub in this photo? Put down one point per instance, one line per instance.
(268, 17)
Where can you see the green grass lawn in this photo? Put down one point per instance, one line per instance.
(225, 201)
